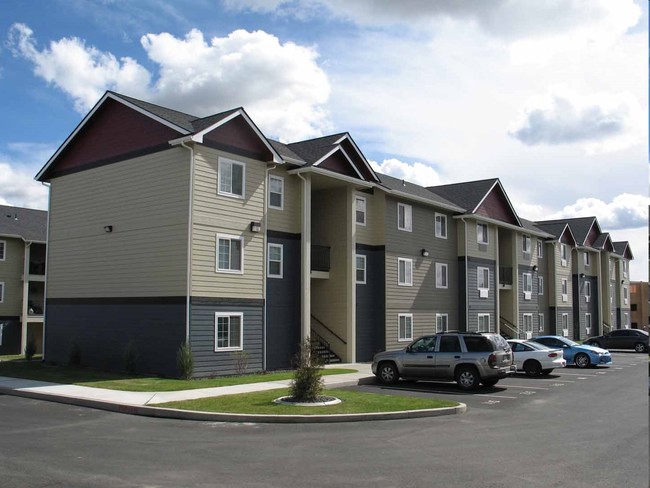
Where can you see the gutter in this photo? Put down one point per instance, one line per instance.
(466, 278)
(47, 264)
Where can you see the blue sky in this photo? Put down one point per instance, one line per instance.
(550, 96)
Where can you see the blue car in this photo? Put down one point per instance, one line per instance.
(582, 356)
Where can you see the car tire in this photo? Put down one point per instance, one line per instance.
(546, 372)
(490, 383)
(595, 344)
(582, 360)
(640, 347)
(532, 368)
(467, 378)
(387, 373)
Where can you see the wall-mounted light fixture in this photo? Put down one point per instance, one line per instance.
(622, 282)
(256, 226)
(535, 268)
(108, 229)
(582, 275)
(424, 253)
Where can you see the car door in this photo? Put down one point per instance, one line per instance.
(618, 339)
(419, 358)
(448, 355)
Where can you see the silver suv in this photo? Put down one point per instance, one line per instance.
(469, 358)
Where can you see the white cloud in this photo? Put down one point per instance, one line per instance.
(625, 211)
(280, 85)
(19, 188)
(418, 173)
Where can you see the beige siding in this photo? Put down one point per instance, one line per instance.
(476, 250)
(560, 273)
(424, 322)
(373, 232)
(289, 218)
(146, 201)
(218, 214)
(11, 272)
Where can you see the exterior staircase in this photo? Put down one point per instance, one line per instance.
(321, 347)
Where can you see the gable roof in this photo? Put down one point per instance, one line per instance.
(397, 186)
(556, 229)
(604, 241)
(580, 227)
(622, 248)
(25, 223)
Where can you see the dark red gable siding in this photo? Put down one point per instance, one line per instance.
(592, 236)
(496, 207)
(356, 159)
(238, 137)
(338, 163)
(114, 132)
(566, 238)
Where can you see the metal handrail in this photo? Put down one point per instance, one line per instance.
(315, 337)
(514, 332)
(329, 330)
(606, 327)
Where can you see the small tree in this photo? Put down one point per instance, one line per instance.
(185, 361)
(241, 362)
(307, 383)
(74, 359)
(30, 348)
(130, 357)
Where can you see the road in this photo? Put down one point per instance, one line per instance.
(578, 428)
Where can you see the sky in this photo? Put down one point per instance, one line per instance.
(550, 96)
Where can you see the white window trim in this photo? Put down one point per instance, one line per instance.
(486, 242)
(478, 324)
(540, 249)
(241, 332)
(563, 255)
(365, 210)
(410, 211)
(243, 183)
(528, 328)
(268, 261)
(565, 296)
(587, 259)
(2, 291)
(399, 316)
(565, 318)
(3, 244)
(445, 267)
(626, 320)
(406, 283)
(587, 291)
(483, 290)
(527, 277)
(281, 180)
(224, 270)
(365, 269)
(540, 322)
(540, 285)
(441, 316)
(443, 218)
(625, 295)
(588, 324)
(527, 249)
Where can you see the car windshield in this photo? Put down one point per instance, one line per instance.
(569, 342)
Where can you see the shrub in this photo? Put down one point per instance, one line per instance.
(241, 362)
(30, 348)
(74, 359)
(130, 357)
(307, 383)
(185, 361)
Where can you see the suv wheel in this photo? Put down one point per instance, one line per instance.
(387, 373)
(467, 377)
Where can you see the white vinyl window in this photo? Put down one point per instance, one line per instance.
(361, 268)
(2, 292)
(563, 255)
(230, 254)
(625, 297)
(527, 285)
(527, 244)
(405, 327)
(360, 206)
(228, 331)
(587, 291)
(482, 236)
(528, 325)
(587, 259)
(441, 226)
(540, 321)
(565, 324)
(404, 271)
(540, 285)
(540, 249)
(404, 217)
(624, 268)
(276, 192)
(626, 320)
(275, 257)
(3, 250)
(565, 290)
(231, 178)
(483, 281)
(484, 322)
(442, 275)
(588, 324)
(442, 322)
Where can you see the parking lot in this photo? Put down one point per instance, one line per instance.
(519, 390)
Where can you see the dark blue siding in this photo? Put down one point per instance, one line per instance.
(10, 336)
(371, 303)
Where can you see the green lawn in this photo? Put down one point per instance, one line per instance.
(37, 370)
(352, 402)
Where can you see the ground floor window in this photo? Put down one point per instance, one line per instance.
(405, 326)
(528, 325)
(229, 331)
(564, 322)
(442, 322)
(588, 324)
(484, 322)
(540, 319)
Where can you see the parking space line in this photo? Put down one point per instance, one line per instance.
(555, 381)
(526, 387)
(578, 374)
(495, 396)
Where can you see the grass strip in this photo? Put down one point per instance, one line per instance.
(352, 402)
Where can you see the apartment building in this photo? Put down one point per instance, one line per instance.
(23, 234)
(166, 228)
(639, 304)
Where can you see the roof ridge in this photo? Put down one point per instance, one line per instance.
(144, 102)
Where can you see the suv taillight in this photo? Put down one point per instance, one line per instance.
(492, 360)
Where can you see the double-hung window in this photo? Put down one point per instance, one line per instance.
(276, 192)
(2, 292)
(228, 331)
(483, 281)
(587, 291)
(565, 324)
(361, 268)
(540, 320)
(484, 322)
(565, 290)
(441, 226)
(442, 322)
(275, 255)
(540, 285)
(540, 249)
(404, 217)
(527, 245)
(441, 275)
(360, 204)
(231, 178)
(230, 254)
(405, 327)
(587, 259)
(528, 286)
(563, 255)
(3, 250)
(588, 324)
(404, 271)
(482, 236)
(625, 300)
(528, 325)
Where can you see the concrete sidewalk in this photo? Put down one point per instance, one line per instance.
(143, 403)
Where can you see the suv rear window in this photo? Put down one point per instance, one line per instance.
(478, 344)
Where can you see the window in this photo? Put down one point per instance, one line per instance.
(540, 285)
(3, 250)
(624, 268)
(405, 326)
(449, 343)
(275, 267)
(442, 322)
(625, 295)
(626, 320)
(231, 178)
(565, 290)
(528, 325)
(588, 324)
(540, 320)
(2, 292)
(633, 307)
(441, 226)
(441, 275)
(404, 271)
(587, 291)
(540, 249)
(528, 285)
(586, 259)
(360, 206)
(484, 322)
(482, 234)
(483, 281)
(230, 254)
(276, 192)
(228, 331)
(404, 217)
(563, 255)
(526, 245)
(565, 324)
(361, 268)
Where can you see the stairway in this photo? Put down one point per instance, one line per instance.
(323, 349)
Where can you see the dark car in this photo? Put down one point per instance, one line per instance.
(622, 339)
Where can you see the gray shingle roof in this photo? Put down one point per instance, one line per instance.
(312, 150)
(599, 243)
(175, 117)
(579, 226)
(199, 124)
(529, 225)
(396, 184)
(467, 194)
(621, 246)
(285, 151)
(27, 223)
(553, 228)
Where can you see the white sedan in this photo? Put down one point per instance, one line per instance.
(535, 359)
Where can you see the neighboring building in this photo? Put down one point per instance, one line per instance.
(166, 228)
(639, 309)
(23, 233)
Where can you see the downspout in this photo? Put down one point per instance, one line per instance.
(600, 294)
(305, 264)
(265, 259)
(47, 261)
(190, 226)
(466, 278)
(25, 295)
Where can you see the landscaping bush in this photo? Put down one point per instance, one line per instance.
(185, 361)
(130, 357)
(74, 359)
(241, 362)
(30, 348)
(307, 383)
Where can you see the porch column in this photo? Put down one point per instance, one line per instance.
(351, 264)
(305, 253)
(25, 310)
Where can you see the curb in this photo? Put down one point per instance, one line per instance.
(170, 413)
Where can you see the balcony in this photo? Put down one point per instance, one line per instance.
(505, 278)
(320, 261)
